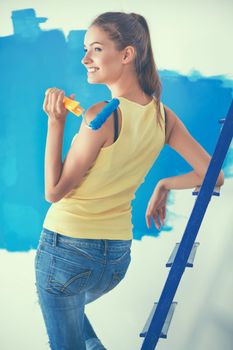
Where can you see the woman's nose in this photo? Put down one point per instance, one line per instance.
(86, 59)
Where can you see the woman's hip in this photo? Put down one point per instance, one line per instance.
(69, 266)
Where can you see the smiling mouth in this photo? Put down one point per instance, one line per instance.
(92, 70)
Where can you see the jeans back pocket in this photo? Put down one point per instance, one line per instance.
(66, 277)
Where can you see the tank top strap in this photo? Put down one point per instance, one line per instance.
(165, 119)
(165, 115)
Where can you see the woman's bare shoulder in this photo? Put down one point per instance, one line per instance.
(94, 110)
(171, 119)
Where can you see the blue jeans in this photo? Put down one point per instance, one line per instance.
(71, 272)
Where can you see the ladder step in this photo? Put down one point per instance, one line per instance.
(216, 191)
(190, 259)
(222, 120)
(166, 323)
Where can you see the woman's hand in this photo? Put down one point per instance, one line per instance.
(157, 206)
(54, 106)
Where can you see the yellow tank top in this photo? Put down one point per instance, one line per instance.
(100, 208)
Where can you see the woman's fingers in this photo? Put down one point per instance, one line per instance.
(50, 96)
(53, 103)
(47, 100)
(45, 104)
(148, 220)
(161, 215)
(72, 96)
(157, 208)
(156, 222)
(164, 213)
(158, 217)
(60, 105)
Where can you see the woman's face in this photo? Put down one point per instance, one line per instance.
(102, 55)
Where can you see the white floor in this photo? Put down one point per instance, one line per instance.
(203, 319)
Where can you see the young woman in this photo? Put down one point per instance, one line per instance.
(85, 244)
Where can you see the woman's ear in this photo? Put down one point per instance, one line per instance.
(129, 54)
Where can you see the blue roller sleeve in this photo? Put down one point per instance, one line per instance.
(103, 115)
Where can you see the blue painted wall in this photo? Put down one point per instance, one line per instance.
(32, 60)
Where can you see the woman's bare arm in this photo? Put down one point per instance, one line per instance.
(179, 138)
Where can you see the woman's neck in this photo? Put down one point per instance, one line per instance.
(128, 86)
(137, 95)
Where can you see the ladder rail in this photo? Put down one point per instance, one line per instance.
(190, 233)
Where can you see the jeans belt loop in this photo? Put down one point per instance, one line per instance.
(105, 247)
(54, 239)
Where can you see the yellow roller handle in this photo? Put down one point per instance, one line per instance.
(71, 105)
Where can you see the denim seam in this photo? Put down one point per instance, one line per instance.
(84, 283)
(93, 245)
(49, 272)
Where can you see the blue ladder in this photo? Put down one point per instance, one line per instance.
(159, 320)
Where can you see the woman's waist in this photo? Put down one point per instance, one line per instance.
(52, 237)
(95, 209)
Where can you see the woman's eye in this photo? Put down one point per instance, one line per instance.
(96, 48)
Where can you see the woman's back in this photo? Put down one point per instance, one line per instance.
(101, 206)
